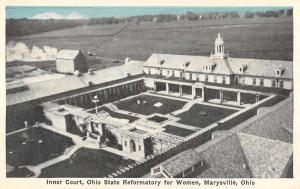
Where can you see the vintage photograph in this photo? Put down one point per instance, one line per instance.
(149, 92)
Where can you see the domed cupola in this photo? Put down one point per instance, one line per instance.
(219, 46)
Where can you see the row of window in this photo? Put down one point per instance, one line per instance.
(275, 83)
(190, 76)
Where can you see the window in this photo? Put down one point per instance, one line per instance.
(280, 84)
(173, 73)
(156, 170)
(223, 80)
(254, 81)
(241, 69)
(140, 148)
(279, 72)
(261, 82)
(206, 78)
(180, 74)
(273, 83)
(125, 143)
(215, 79)
(191, 76)
(160, 72)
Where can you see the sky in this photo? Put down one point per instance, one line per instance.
(94, 12)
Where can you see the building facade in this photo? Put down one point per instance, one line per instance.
(219, 68)
(69, 61)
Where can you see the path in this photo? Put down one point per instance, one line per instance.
(38, 168)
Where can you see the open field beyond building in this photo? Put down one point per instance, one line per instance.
(262, 38)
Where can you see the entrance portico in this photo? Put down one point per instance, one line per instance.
(180, 89)
(209, 93)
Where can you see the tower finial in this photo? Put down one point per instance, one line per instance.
(219, 35)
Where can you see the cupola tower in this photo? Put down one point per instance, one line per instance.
(219, 47)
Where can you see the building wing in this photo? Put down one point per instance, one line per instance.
(180, 162)
(67, 54)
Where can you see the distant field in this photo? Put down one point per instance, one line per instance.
(264, 38)
(50, 65)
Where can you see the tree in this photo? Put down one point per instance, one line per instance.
(249, 15)
(289, 12)
(149, 146)
(109, 137)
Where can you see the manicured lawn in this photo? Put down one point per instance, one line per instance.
(158, 119)
(178, 131)
(202, 115)
(34, 146)
(146, 105)
(115, 114)
(20, 173)
(86, 163)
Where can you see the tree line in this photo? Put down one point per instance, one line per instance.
(21, 27)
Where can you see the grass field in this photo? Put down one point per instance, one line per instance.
(178, 131)
(146, 106)
(202, 115)
(86, 163)
(157, 119)
(264, 38)
(34, 146)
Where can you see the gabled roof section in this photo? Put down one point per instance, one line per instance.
(266, 158)
(264, 68)
(226, 66)
(195, 63)
(180, 162)
(225, 158)
(67, 54)
(273, 122)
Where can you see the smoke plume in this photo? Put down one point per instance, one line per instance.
(20, 51)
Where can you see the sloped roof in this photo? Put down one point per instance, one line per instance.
(254, 67)
(273, 122)
(266, 158)
(224, 157)
(67, 54)
(71, 82)
(180, 162)
(258, 67)
(196, 63)
(225, 154)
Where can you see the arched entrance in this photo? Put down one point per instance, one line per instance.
(132, 146)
